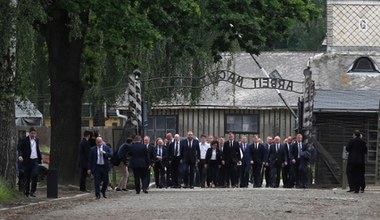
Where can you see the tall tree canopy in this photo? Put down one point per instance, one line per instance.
(93, 44)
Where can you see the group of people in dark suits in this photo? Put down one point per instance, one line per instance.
(210, 162)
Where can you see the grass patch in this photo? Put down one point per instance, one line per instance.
(6, 193)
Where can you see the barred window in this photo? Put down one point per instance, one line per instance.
(242, 124)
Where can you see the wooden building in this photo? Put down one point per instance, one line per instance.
(347, 82)
(227, 107)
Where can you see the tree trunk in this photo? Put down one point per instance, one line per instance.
(7, 92)
(66, 94)
(8, 142)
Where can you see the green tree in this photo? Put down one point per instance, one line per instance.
(7, 91)
(92, 44)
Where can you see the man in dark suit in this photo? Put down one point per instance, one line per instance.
(84, 153)
(257, 161)
(267, 173)
(231, 157)
(151, 152)
(168, 140)
(246, 162)
(356, 149)
(190, 149)
(99, 166)
(277, 160)
(160, 161)
(30, 156)
(175, 160)
(286, 169)
(300, 160)
(222, 169)
(140, 162)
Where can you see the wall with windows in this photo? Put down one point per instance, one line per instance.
(219, 122)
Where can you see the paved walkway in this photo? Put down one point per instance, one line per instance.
(263, 203)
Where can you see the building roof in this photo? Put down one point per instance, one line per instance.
(226, 95)
(346, 101)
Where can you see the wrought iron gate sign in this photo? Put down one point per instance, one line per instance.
(255, 82)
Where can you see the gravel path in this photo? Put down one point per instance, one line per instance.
(199, 203)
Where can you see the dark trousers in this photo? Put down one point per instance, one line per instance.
(275, 170)
(31, 169)
(159, 174)
(303, 173)
(100, 175)
(188, 176)
(244, 174)
(286, 176)
(256, 173)
(140, 175)
(222, 176)
(175, 170)
(82, 180)
(202, 172)
(267, 175)
(212, 172)
(356, 176)
(231, 173)
(169, 178)
(294, 175)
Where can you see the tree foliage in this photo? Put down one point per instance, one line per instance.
(92, 45)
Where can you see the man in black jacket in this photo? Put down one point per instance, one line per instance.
(356, 149)
(277, 160)
(84, 152)
(231, 157)
(175, 159)
(258, 161)
(30, 156)
(190, 149)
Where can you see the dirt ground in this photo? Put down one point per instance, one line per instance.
(262, 203)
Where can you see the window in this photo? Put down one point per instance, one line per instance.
(242, 124)
(159, 126)
(363, 64)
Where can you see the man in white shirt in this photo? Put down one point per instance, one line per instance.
(203, 146)
(30, 156)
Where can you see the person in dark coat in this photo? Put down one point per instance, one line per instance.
(277, 160)
(266, 172)
(213, 163)
(190, 149)
(231, 158)
(257, 161)
(84, 153)
(140, 162)
(357, 149)
(30, 156)
(300, 163)
(99, 166)
(160, 162)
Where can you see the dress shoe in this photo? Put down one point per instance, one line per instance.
(125, 189)
(350, 190)
(145, 191)
(32, 195)
(85, 190)
(356, 192)
(137, 192)
(185, 186)
(97, 197)
(104, 195)
(191, 187)
(118, 189)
